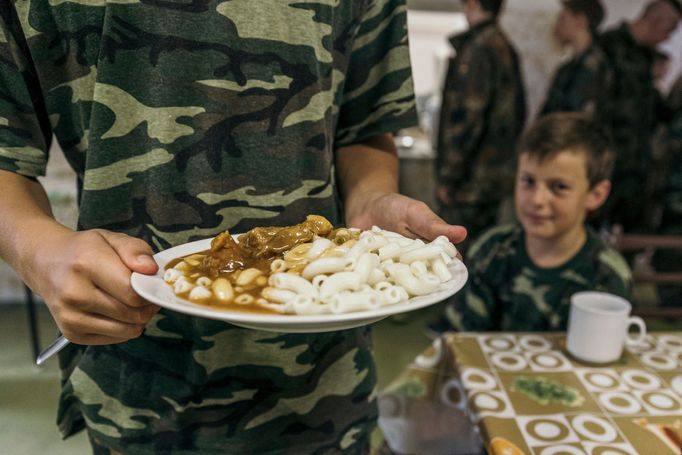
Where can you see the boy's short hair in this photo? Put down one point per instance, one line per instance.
(491, 6)
(571, 131)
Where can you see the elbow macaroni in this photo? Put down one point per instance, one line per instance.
(324, 276)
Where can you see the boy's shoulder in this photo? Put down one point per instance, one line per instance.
(499, 240)
(608, 260)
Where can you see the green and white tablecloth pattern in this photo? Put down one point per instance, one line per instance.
(527, 395)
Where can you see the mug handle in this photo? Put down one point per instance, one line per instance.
(639, 322)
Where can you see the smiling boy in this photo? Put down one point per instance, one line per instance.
(522, 275)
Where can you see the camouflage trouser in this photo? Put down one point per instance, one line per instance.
(670, 260)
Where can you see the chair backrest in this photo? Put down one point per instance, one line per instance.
(644, 272)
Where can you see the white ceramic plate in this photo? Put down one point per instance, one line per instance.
(154, 289)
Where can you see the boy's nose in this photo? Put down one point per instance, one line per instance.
(540, 195)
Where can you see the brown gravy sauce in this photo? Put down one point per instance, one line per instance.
(256, 249)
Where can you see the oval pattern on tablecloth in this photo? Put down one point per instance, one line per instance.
(535, 343)
(641, 380)
(581, 424)
(547, 430)
(477, 379)
(609, 401)
(601, 380)
(508, 361)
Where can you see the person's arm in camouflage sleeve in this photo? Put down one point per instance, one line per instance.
(378, 99)
(84, 277)
(464, 125)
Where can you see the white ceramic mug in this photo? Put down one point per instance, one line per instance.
(598, 326)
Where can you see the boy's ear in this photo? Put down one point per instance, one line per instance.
(597, 195)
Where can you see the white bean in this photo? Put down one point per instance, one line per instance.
(223, 290)
(248, 276)
(199, 293)
(204, 281)
(172, 275)
(182, 285)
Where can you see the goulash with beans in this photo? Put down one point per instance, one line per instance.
(311, 268)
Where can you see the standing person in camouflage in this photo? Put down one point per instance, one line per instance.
(482, 114)
(668, 260)
(523, 275)
(630, 48)
(182, 120)
(581, 84)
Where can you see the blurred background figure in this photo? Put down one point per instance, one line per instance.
(631, 51)
(660, 67)
(661, 156)
(581, 84)
(670, 261)
(482, 114)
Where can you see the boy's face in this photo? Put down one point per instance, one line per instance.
(553, 196)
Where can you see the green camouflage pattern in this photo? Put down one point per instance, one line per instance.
(632, 122)
(669, 260)
(183, 119)
(507, 291)
(582, 85)
(672, 202)
(482, 115)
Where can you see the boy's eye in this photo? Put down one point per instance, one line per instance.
(559, 187)
(527, 180)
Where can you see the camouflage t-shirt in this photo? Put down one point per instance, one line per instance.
(507, 291)
(183, 119)
(632, 121)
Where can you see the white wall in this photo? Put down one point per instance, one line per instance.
(429, 47)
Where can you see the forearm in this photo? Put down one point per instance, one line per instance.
(366, 171)
(25, 218)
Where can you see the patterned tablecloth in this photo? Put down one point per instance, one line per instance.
(522, 393)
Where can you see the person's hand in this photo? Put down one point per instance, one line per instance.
(404, 215)
(443, 195)
(84, 277)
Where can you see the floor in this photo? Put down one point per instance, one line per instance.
(28, 394)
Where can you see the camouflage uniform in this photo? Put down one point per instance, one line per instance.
(581, 85)
(181, 120)
(633, 119)
(507, 291)
(482, 114)
(671, 219)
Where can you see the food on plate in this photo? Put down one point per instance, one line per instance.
(668, 433)
(503, 446)
(311, 268)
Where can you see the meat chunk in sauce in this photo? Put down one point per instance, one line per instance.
(260, 245)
